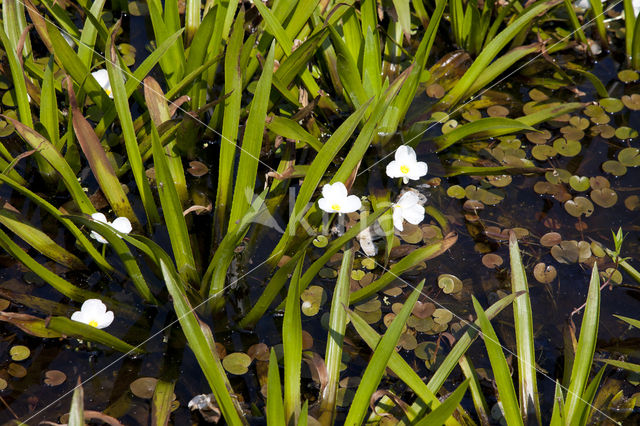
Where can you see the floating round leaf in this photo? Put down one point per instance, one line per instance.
(19, 353)
(411, 233)
(538, 95)
(456, 191)
(327, 273)
(579, 122)
(499, 181)
(579, 206)
(599, 182)
(579, 183)
(538, 137)
(449, 126)
(566, 252)
(54, 377)
(614, 167)
(567, 148)
(307, 342)
(3, 384)
(407, 341)
(237, 363)
(4, 304)
(425, 309)
(550, 239)
(369, 263)
(544, 273)
(543, 152)
(597, 250)
(320, 241)
(449, 283)
(611, 105)
(16, 370)
(629, 157)
(143, 387)
(497, 111)
(584, 251)
(611, 274)
(632, 203)
(604, 197)
(372, 305)
(628, 76)
(632, 101)
(625, 132)
(558, 175)
(422, 325)
(435, 91)
(312, 298)
(604, 130)
(259, 351)
(492, 260)
(573, 133)
(371, 317)
(471, 114)
(442, 316)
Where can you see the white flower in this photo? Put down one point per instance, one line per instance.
(102, 77)
(336, 199)
(407, 208)
(120, 224)
(94, 313)
(405, 165)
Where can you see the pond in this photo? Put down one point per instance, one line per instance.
(473, 165)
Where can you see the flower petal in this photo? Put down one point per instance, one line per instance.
(339, 191)
(98, 237)
(351, 204)
(408, 199)
(122, 224)
(94, 306)
(397, 217)
(105, 320)
(418, 170)
(325, 205)
(414, 214)
(99, 217)
(405, 154)
(79, 316)
(393, 169)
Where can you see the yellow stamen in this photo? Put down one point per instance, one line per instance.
(404, 169)
(335, 207)
(93, 323)
(108, 92)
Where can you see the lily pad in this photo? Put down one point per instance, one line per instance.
(550, 239)
(631, 101)
(611, 274)
(425, 309)
(625, 132)
(369, 263)
(320, 241)
(372, 305)
(604, 197)
(407, 341)
(143, 387)
(598, 182)
(442, 316)
(567, 148)
(628, 76)
(499, 181)
(54, 377)
(604, 130)
(422, 325)
(3, 384)
(629, 157)
(497, 111)
(544, 274)
(579, 183)
(449, 284)
(579, 206)
(237, 363)
(538, 137)
(566, 252)
(312, 299)
(492, 260)
(632, 203)
(611, 105)
(558, 175)
(614, 167)
(16, 370)
(259, 351)
(456, 191)
(543, 152)
(19, 353)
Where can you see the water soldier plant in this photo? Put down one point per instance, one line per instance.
(224, 147)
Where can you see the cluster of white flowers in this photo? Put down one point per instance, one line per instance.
(406, 166)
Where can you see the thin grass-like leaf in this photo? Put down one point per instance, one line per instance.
(525, 346)
(557, 415)
(292, 328)
(89, 34)
(479, 401)
(53, 157)
(419, 255)
(275, 404)
(378, 363)
(482, 128)
(161, 402)
(290, 129)
(87, 332)
(29, 324)
(585, 350)
(504, 382)
(335, 338)
(76, 413)
(173, 62)
(49, 106)
(586, 402)
(99, 163)
(440, 414)
(37, 239)
(131, 144)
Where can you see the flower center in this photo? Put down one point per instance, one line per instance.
(108, 92)
(404, 169)
(93, 323)
(335, 207)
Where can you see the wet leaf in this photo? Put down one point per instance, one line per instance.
(579, 206)
(3, 384)
(54, 377)
(613, 274)
(358, 274)
(435, 91)
(237, 363)
(538, 137)
(312, 299)
(407, 342)
(197, 169)
(632, 101)
(604, 130)
(423, 325)
(320, 241)
(259, 351)
(614, 167)
(558, 175)
(579, 183)
(543, 152)
(499, 181)
(629, 157)
(143, 387)
(372, 305)
(538, 95)
(566, 252)
(497, 111)
(550, 239)
(599, 182)
(632, 203)
(442, 316)
(567, 148)
(492, 260)
(411, 234)
(456, 191)
(369, 263)
(16, 370)
(449, 283)
(625, 132)
(628, 76)
(584, 251)
(611, 105)
(424, 310)
(545, 274)
(604, 197)
(19, 353)
(4, 304)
